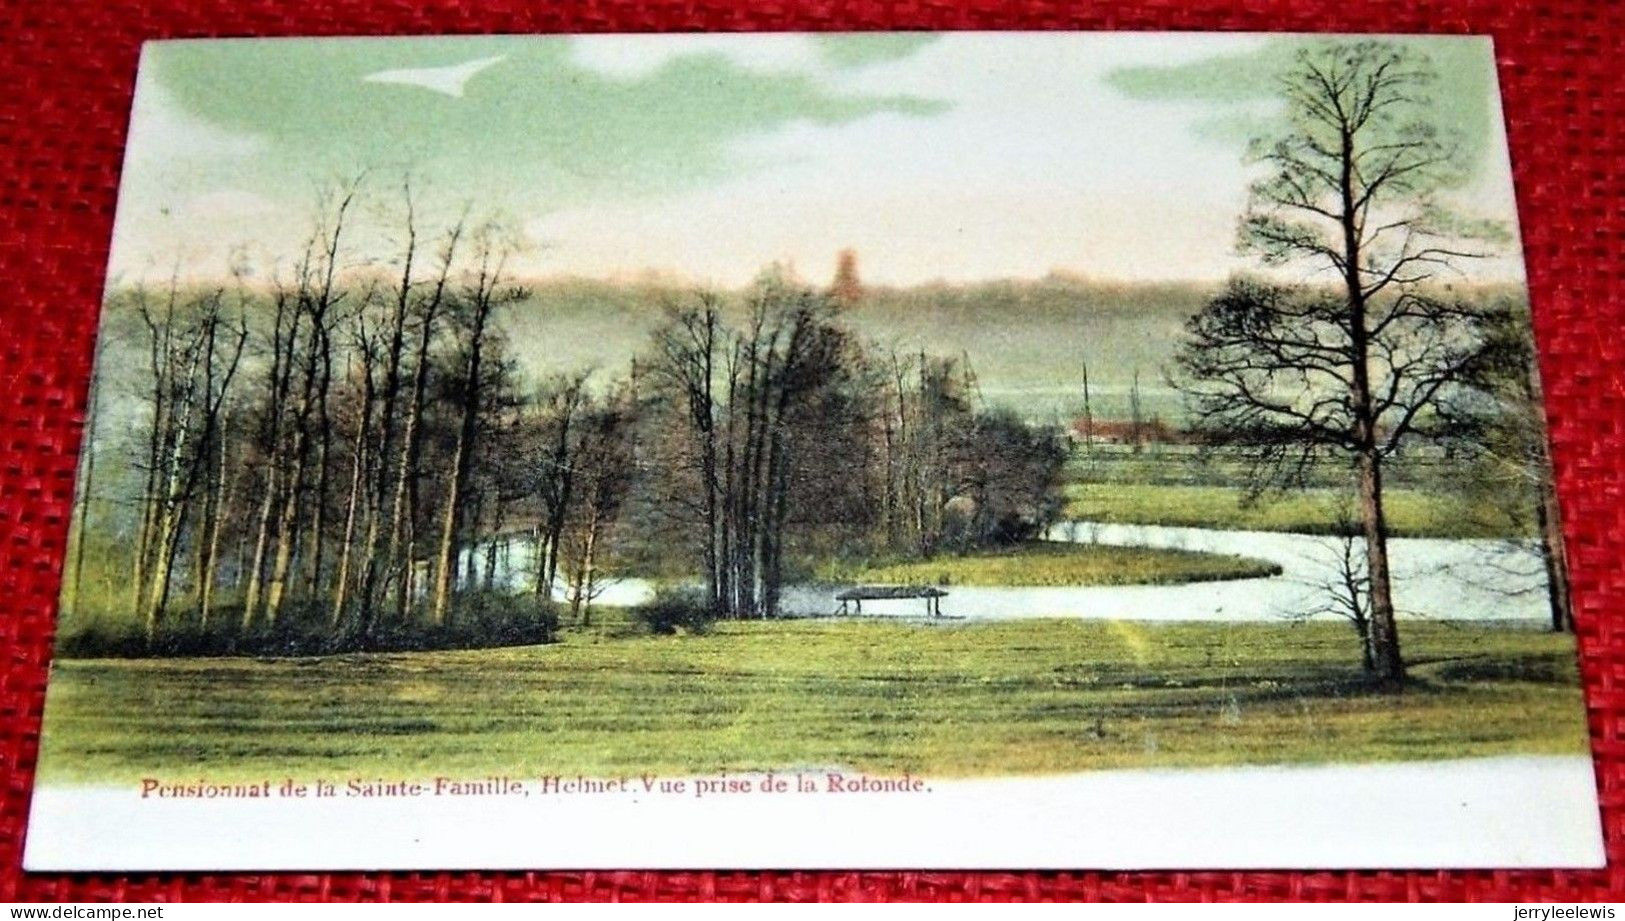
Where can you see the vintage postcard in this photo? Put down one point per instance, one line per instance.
(852, 450)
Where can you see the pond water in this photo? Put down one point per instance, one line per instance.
(1432, 578)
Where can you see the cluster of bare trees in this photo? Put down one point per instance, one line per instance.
(347, 454)
(582, 457)
(927, 424)
(782, 429)
(746, 396)
(312, 441)
(194, 351)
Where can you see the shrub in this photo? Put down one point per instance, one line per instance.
(676, 609)
(478, 620)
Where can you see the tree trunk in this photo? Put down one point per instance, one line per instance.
(358, 463)
(498, 522)
(706, 424)
(287, 530)
(224, 494)
(166, 532)
(588, 566)
(1088, 416)
(1390, 667)
(1136, 432)
(262, 540)
(730, 526)
(318, 526)
(160, 368)
(888, 498)
(284, 336)
(172, 521)
(290, 517)
(483, 302)
(538, 549)
(1548, 514)
(177, 483)
(445, 569)
(1553, 555)
(563, 482)
(212, 440)
(402, 536)
(378, 491)
(402, 527)
(773, 544)
(86, 483)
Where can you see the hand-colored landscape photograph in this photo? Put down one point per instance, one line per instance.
(791, 450)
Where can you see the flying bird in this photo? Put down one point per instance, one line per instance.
(449, 79)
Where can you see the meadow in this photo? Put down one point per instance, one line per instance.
(1426, 494)
(944, 699)
(1411, 512)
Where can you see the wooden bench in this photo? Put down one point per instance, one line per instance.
(855, 597)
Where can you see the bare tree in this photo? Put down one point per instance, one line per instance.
(204, 359)
(480, 300)
(744, 392)
(87, 481)
(1345, 588)
(364, 348)
(160, 368)
(1357, 367)
(686, 360)
(559, 402)
(1506, 432)
(404, 507)
(316, 294)
(222, 492)
(605, 466)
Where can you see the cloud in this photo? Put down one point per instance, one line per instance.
(636, 57)
(163, 132)
(632, 57)
(965, 155)
(550, 129)
(863, 49)
(1034, 167)
(1463, 99)
(449, 80)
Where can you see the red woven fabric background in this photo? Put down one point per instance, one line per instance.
(66, 74)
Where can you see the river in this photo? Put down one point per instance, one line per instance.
(1432, 578)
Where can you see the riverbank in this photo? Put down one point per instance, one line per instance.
(954, 698)
(1411, 512)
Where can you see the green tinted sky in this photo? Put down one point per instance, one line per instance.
(533, 124)
(963, 155)
(1462, 100)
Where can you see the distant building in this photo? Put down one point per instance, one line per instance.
(1119, 432)
(846, 289)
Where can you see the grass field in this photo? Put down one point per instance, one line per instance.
(1026, 697)
(1411, 512)
(1051, 563)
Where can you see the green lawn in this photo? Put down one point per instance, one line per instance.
(948, 699)
(1052, 563)
(1411, 512)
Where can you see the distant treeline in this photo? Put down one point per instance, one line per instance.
(1019, 334)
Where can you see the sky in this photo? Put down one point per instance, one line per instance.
(956, 157)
